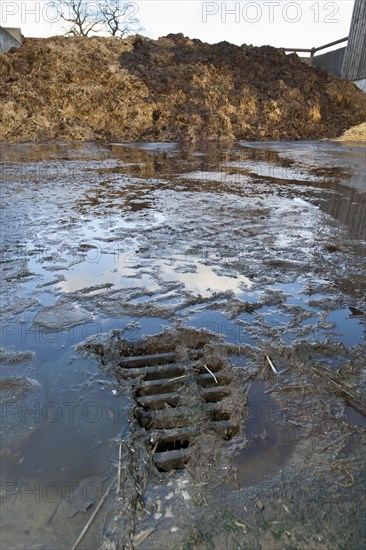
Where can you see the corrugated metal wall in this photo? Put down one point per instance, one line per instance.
(354, 62)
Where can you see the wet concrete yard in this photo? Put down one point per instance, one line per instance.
(254, 253)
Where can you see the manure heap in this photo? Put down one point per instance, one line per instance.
(173, 88)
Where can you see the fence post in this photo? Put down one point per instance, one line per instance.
(312, 53)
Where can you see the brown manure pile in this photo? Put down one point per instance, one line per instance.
(172, 88)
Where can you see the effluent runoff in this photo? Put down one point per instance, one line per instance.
(183, 345)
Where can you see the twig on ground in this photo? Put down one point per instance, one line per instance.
(119, 469)
(177, 378)
(346, 473)
(340, 387)
(138, 539)
(212, 374)
(94, 514)
(271, 365)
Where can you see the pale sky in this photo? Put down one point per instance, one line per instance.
(280, 23)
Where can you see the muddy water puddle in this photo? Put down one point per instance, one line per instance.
(271, 439)
(262, 245)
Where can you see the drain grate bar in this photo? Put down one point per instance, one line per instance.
(167, 418)
(214, 406)
(226, 428)
(172, 460)
(155, 359)
(158, 401)
(216, 393)
(154, 372)
(176, 434)
(145, 360)
(162, 385)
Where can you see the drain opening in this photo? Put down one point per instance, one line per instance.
(174, 445)
(231, 432)
(165, 371)
(217, 416)
(155, 359)
(213, 395)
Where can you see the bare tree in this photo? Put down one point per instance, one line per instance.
(119, 17)
(82, 16)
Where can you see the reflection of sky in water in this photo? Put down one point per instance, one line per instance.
(272, 171)
(274, 317)
(204, 280)
(223, 177)
(230, 331)
(97, 228)
(150, 146)
(255, 169)
(118, 269)
(251, 297)
(292, 289)
(109, 269)
(318, 154)
(299, 216)
(350, 330)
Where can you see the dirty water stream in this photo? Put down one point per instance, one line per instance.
(263, 245)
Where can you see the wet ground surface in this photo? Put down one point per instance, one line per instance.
(261, 245)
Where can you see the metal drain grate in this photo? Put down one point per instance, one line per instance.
(177, 401)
